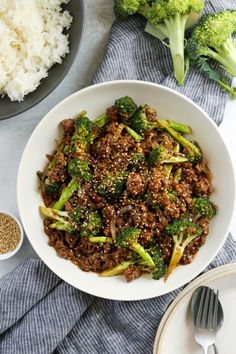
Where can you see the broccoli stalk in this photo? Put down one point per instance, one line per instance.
(101, 121)
(212, 40)
(128, 238)
(134, 135)
(183, 232)
(140, 122)
(65, 221)
(116, 270)
(67, 193)
(100, 239)
(167, 19)
(194, 153)
(203, 207)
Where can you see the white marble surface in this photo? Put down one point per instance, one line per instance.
(15, 132)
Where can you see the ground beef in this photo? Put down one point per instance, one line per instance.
(132, 272)
(151, 197)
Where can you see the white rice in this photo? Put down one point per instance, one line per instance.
(31, 41)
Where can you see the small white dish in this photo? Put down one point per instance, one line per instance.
(10, 254)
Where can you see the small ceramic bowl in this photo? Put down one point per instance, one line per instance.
(12, 253)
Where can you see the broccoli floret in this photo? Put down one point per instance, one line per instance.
(84, 135)
(183, 232)
(212, 39)
(167, 19)
(52, 188)
(125, 106)
(140, 122)
(126, 8)
(65, 221)
(92, 225)
(160, 266)
(80, 168)
(203, 207)
(67, 193)
(162, 156)
(128, 238)
(112, 186)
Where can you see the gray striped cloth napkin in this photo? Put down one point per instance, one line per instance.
(39, 313)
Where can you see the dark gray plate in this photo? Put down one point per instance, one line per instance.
(56, 73)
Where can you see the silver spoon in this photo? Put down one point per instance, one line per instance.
(195, 301)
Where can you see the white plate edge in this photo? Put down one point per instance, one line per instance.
(213, 274)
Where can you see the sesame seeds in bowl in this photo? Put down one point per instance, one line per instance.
(11, 235)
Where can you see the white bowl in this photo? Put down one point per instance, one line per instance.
(7, 255)
(95, 99)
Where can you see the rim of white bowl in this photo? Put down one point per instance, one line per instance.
(187, 279)
(7, 255)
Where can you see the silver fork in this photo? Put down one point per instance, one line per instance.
(207, 318)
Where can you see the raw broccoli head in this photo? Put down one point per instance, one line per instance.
(126, 106)
(212, 39)
(127, 237)
(168, 19)
(203, 207)
(126, 8)
(166, 9)
(80, 168)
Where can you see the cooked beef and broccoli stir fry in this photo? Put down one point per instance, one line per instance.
(127, 193)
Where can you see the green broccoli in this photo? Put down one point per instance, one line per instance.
(125, 106)
(203, 207)
(80, 168)
(91, 225)
(100, 239)
(141, 123)
(116, 270)
(112, 186)
(183, 232)
(102, 120)
(67, 193)
(65, 221)
(84, 135)
(167, 19)
(212, 40)
(162, 156)
(194, 153)
(51, 188)
(134, 135)
(128, 238)
(160, 266)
